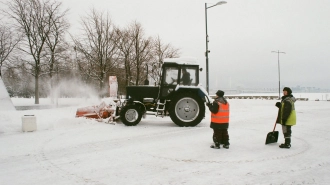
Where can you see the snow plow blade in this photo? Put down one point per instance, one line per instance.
(102, 111)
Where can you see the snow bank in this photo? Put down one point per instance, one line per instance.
(5, 101)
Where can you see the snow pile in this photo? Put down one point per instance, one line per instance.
(5, 101)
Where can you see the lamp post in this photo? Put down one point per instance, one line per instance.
(207, 41)
(279, 77)
(146, 81)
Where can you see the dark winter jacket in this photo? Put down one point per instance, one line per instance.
(185, 78)
(214, 108)
(286, 112)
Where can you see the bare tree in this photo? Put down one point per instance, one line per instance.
(160, 52)
(125, 45)
(142, 50)
(97, 46)
(55, 40)
(7, 44)
(138, 52)
(34, 20)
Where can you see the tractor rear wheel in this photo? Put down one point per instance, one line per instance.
(187, 110)
(131, 115)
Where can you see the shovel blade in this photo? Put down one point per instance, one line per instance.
(272, 137)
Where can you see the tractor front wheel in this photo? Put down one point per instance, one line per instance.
(131, 115)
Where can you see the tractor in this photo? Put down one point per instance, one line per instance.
(178, 95)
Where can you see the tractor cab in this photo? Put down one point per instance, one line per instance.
(178, 73)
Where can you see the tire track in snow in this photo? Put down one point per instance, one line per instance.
(300, 152)
(322, 134)
(50, 165)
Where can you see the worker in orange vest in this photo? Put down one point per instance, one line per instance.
(219, 120)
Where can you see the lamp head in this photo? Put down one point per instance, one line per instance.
(220, 3)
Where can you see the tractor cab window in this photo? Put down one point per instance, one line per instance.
(171, 75)
(183, 75)
(188, 76)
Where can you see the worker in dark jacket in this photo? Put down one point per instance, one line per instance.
(286, 115)
(219, 120)
(185, 77)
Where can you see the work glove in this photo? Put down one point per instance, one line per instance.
(278, 104)
(208, 104)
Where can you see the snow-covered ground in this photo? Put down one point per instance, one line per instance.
(69, 150)
(310, 96)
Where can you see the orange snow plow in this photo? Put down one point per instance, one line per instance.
(107, 109)
(102, 111)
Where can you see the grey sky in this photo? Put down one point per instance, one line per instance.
(242, 35)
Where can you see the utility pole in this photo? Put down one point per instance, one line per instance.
(279, 76)
(207, 46)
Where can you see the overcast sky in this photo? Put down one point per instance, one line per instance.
(242, 34)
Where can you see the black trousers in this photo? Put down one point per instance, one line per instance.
(220, 136)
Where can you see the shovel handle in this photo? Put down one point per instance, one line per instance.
(274, 127)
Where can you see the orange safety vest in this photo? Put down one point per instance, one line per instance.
(222, 116)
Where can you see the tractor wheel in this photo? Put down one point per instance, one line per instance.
(187, 110)
(130, 115)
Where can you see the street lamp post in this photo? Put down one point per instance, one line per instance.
(279, 77)
(207, 40)
(146, 81)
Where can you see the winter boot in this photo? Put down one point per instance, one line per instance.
(215, 146)
(283, 145)
(287, 143)
(226, 144)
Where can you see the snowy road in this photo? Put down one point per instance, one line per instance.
(67, 150)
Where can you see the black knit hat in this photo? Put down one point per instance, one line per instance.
(287, 89)
(220, 93)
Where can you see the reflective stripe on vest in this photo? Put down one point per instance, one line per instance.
(222, 116)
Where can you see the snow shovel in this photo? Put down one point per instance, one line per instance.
(272, 137)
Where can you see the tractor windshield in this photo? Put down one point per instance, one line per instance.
(183, 75)
(171, 75)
